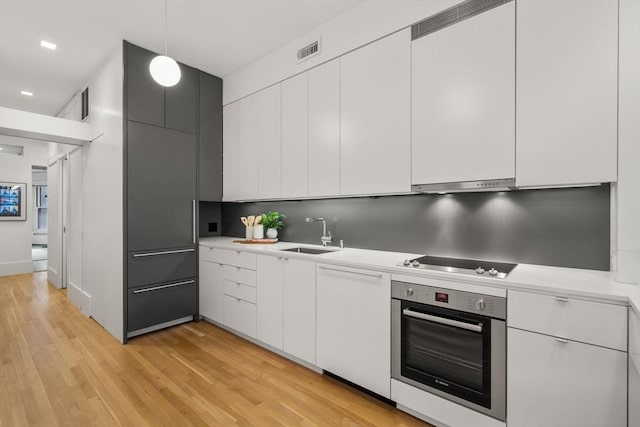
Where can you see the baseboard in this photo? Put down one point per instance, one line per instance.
(53, 277)
(80, 298)
(20, 267)
(264, 345)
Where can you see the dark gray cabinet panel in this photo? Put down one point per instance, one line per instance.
(161, 188)
(144, 97)
(160, 266)
(153, 305)
(181, 102)
(210, 138)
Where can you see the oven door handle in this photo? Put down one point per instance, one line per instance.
(443, 320)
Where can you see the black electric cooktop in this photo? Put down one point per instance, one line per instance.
(464, 266)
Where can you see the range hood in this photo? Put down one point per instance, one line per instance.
(506, 184)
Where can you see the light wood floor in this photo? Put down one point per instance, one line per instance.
(58, 367)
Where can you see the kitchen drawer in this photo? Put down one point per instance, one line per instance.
(590, 322)
(240, 259)
(240, 315)
(145, 268)
(240, 275)
(211, 254)
(152, 305)
(240, 290)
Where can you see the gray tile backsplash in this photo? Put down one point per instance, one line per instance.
(566, 227)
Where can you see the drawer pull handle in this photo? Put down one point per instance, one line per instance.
(562, 340)
(351, 272)
(178, 251)
(170, 285)
(562, 299)
(283, 258)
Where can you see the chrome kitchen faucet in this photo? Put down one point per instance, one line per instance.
(326, 235)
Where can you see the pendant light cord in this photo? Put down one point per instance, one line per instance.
(166, 51)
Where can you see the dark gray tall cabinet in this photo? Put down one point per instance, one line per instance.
(173, 151)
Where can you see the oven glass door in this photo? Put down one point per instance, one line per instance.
(448, 350)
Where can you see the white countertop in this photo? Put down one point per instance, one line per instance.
(591, 284)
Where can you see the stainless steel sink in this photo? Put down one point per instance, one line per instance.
(311, 251)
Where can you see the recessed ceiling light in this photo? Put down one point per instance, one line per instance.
(26, 93)
(48, 45)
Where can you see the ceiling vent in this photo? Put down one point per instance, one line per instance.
(84, 97)
(453, 15)
(308, 51)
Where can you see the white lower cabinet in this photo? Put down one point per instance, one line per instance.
(211, 290)
(240, 315)
(299, 292)
(286, 312)
(558, 382)
(634, 369)
(353, 326)
(270, 312)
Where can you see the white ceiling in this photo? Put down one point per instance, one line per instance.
(217, 36)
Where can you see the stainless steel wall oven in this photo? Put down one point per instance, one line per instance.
(452, 344)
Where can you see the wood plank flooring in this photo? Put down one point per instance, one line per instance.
(58, 367)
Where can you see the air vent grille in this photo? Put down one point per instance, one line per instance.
(85, 104)
(453, 15)
(309, 50)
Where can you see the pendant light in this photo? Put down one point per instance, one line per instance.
(165, 70)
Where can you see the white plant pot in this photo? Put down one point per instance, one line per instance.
(272, 233)
(258, 231)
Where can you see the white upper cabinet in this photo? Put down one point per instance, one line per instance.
(248, 159)
(324, 129)
(295, 136)
(375, 117)
(269, 142)
(566, 92)
(463, 100)
(230, 167)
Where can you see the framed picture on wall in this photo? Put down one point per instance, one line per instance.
(13, 201)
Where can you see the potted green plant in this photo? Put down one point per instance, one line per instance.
(273, 221)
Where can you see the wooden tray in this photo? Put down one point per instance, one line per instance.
(256, 241)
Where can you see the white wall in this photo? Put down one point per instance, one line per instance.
(97, 283)
(102, 265)
(16, 236)
(627, 192)
(360, 25)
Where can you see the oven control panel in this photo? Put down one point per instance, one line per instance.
(486, 305)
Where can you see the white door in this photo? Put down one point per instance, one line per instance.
(295, 136)
(230, 153)
(269, 142)
(463, 100)
(300, 309)
(567, 93)
(354, 339)
(73, 253)
(248, 159)
(375, 117)
(269, 300)
(324, 129)
(54, 226)
(555, 382)
(64, 209)
(211, 291)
